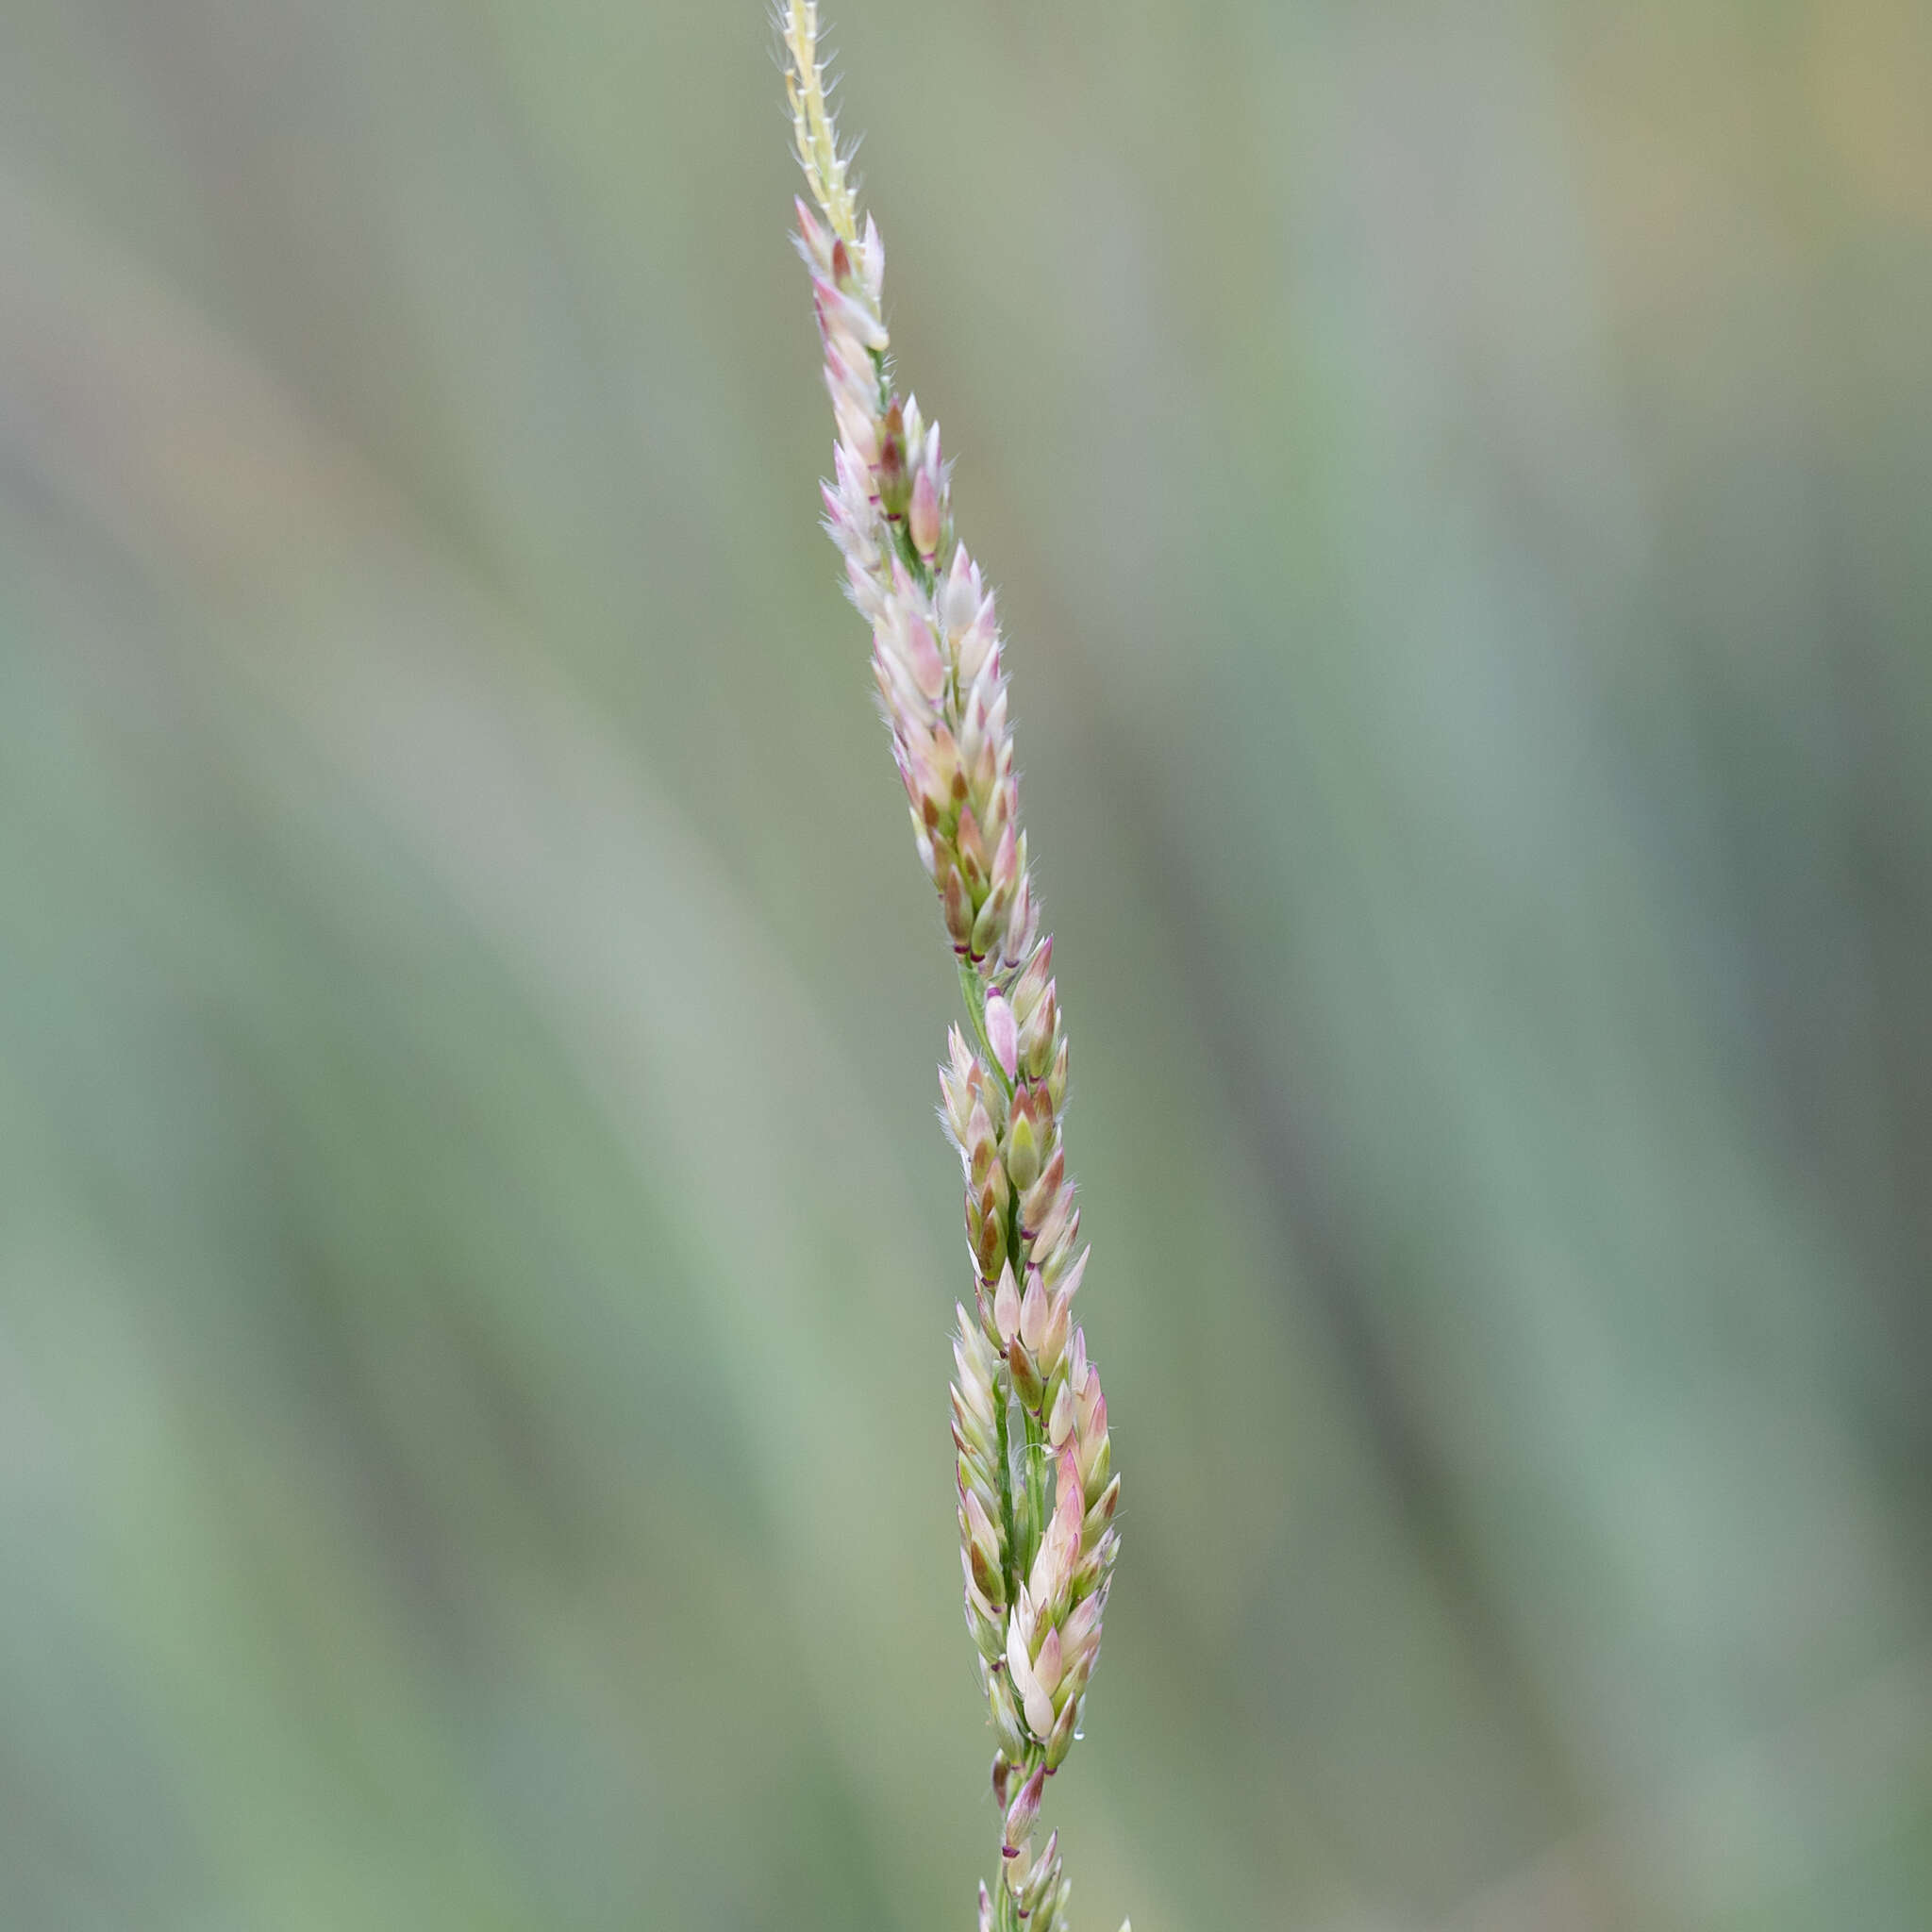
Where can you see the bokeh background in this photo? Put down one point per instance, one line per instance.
(475, 1251)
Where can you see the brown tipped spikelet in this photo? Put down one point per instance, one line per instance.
(1037, 1493)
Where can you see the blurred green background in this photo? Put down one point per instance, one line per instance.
(476, 1251)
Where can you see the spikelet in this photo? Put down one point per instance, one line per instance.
(1036, 1494)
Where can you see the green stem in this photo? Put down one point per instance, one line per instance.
(1036, 1483)
(1002, 1392)
(1023, 1518)
(973, 990)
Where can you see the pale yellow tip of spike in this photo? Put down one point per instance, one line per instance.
(813, 131)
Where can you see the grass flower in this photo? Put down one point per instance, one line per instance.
(1037, 1492)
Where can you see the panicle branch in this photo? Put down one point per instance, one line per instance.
(1037, 1493)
